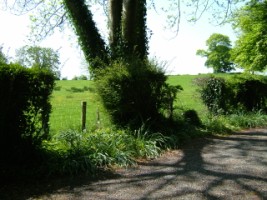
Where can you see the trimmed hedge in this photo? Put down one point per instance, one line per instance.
(249, 92)
(242, 92)
(24, 110)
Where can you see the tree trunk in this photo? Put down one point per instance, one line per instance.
(129, 22)
(90, 40)
(134, 27)
(141, 30)
(127, 37)
(115, 23)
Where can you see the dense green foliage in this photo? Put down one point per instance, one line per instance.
(214, 94)
(218, 53)
(25, 110)
(238, 93)
(134, 92)
(73, 152)
(250, 48)
(81, 77)
(249, 92)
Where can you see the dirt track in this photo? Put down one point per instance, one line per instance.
(232, 167)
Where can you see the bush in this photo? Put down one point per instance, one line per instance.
(214, 94)
(25, 109)
(169, 93)
(239, 93)
(132, 92)
(249, 92)
(81, 77)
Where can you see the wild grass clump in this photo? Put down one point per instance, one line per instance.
(248, 119)
(216, 124)
(73, 152)
(223, 124)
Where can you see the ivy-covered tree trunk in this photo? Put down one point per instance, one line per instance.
(134, 27)
(127, 35)
(115, 24)
(92, 44)
(141, 29)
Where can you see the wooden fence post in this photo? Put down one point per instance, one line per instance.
(83, 115)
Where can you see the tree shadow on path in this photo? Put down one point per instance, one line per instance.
(228, 167)
(218, 168)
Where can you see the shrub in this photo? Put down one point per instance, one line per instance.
(169, 93)
(132, 92)
(81, 77)
(239, 93)
(214, 94)
(25, 109)
(249, 92)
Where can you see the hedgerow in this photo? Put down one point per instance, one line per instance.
(25, 110)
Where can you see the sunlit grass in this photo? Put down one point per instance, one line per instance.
(68, 95)
(188, 98)
(67, 101)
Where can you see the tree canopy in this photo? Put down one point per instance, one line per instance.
(250, 48)
(218, 53)
(126, 21)
(39, 57)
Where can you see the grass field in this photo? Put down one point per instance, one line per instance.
(66, 105)
(188, 98)
(68, 95)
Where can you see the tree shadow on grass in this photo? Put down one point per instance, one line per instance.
(232, 167)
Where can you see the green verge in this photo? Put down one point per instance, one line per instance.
(71, 151)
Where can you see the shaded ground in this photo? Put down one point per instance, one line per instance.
(232, 167)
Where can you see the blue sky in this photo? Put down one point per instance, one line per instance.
(178, 53)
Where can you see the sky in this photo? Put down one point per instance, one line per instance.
(178, 53)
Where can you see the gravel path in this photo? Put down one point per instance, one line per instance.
(232, 167)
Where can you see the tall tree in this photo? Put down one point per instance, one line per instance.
(92, 43)
(134, 27)
(40, 58)
(218, 53)
(115, 18)
(250, 48)
(133, 89)
(127, 22)
(127, 30)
